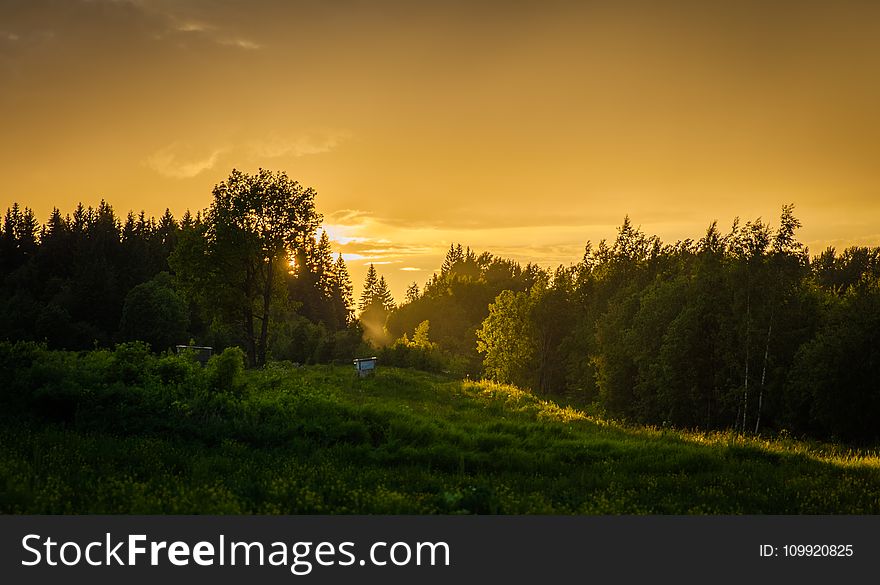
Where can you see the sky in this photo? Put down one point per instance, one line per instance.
(521, 128)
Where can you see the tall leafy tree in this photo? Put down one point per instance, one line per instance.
(253, 226)
(507, 340)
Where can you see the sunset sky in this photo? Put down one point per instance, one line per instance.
(522, 128)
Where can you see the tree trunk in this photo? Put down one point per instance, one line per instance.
(249, 337)
(746, 384)
(267, 301)
(763, 373)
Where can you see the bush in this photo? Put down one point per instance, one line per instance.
(224, 371)
(131, 362)
(178, 369)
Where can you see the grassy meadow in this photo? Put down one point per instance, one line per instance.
(316, 439)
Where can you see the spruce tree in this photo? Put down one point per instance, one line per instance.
(412, 293)
(454, 256)
(343, 301)
(371, 283)
(383, 296)
(322, 260)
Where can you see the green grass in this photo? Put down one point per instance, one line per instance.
(318, 440)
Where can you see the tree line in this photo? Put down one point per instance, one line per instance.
(739, 330)
(250, 271)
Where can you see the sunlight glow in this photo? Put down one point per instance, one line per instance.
(341, 234)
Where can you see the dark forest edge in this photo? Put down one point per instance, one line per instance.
(742, 330)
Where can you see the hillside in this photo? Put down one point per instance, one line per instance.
(318, 440)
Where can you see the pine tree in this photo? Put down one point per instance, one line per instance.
(369, 292)
(20, 235)
(21, 230)
(80, 219)
(55, 228)
(342, 293)
(322, 265)
(187, 221)
(454, 256)
(167, 231)
(383, 296)
(128, 228)
(54, 253)
(412, 293)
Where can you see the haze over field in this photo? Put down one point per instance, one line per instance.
(520, 128)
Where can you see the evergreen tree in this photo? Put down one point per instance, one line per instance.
(382, 296)
(20, 236)
(368, 294)
(341, 294)
(322, 264)
(412, 293)
(454, 256)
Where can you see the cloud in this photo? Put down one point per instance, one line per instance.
(307, 144)
(240, 43)
(181, 161)
(175, 19)
(348, 216)
(193, 27)
(210, 32)
(175, 162)
(411, 269)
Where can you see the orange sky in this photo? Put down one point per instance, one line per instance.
(523, 128)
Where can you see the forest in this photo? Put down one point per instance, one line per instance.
(741, 330)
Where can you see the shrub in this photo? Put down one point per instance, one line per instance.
(224, 371)
(130, 362)
(177, 369)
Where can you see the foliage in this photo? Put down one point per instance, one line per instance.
(457, 300)
(155, 313)
(92, 278)
(254, 225)
(421, 336)
(738, 330)
(321, 285)
(722, 333)
(833, 391)
(421, 353)
(506, 339)
(224, 371)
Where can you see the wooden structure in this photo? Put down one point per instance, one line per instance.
(202, 353)
(365, 366)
